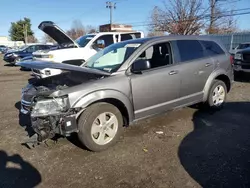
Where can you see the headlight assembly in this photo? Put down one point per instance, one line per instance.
(238, 56)
(8, 55)
(50, 107)
(47, 56)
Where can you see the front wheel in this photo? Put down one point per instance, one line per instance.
(16, 60)
(100, 126)
(217, 94)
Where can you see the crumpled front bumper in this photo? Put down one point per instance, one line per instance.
(48, 126)
(25, 107)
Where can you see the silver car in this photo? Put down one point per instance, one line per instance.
(126, 82)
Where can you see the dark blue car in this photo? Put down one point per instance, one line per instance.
(15, 56)
(3, 49)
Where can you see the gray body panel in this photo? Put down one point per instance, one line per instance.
(153, 91)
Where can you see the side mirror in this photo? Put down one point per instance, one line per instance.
(140, 65)
(100, 43)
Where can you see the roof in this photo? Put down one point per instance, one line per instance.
(175, 37)
(114, 32)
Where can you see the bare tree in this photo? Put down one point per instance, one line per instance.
(77, 30)
(91, 29)
(155, 33)
(184, 17)
(31, 39)
(221, 19)
(47, 38)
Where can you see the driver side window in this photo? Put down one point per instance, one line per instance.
(157, 55)
(106, 40)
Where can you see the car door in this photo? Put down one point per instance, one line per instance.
(156, 89)
(195, 69)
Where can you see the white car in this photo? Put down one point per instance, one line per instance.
(78, 50)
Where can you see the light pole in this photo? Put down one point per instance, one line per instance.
(111, 6)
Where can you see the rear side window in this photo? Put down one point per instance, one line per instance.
(126, 37)
(212, 48)
(189, 50)
(129, 36)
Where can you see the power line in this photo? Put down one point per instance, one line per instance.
(188, 20)
(142, 22)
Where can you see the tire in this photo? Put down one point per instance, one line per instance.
(90, 123)
(237, 74)
(16, 61)
(213, 101)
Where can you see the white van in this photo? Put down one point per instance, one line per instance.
(80, 49)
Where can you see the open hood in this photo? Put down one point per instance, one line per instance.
(61, 66)
(51, 29)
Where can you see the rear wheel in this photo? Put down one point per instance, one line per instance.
(100, 126)
(217, 94)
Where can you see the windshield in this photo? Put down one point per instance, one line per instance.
(84, 40)
(243, 46)
(22, 47)
(112, 57)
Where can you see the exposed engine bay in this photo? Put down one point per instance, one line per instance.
(62, 81)
(51, 116)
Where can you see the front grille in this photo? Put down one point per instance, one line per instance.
(27, 97)
(246, 57)
(38, 56)
(245, 67)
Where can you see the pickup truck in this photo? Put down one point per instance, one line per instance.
(80, 49)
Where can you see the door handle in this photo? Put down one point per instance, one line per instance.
(207, 64)
(173, 72)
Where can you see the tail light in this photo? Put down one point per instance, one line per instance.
(231, 59)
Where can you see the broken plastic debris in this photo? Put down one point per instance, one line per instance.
(159, 132)
(98, 177)
(145, 150)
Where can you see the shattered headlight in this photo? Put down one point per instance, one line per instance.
(50, 107)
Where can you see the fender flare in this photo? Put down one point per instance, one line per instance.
(90, 98)
(210, 80)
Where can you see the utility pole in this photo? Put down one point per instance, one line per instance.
(111, 6)
(25, 33)
(212, 16)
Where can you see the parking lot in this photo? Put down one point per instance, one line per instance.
(183, 148)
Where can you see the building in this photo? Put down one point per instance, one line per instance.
(115, 28)
(3, 38)
(5, 41)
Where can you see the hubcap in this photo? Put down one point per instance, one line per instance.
(218, 95)
(104, 128)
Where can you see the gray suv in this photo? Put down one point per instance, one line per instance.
(123, 83)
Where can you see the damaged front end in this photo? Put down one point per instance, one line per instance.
(51, 116)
